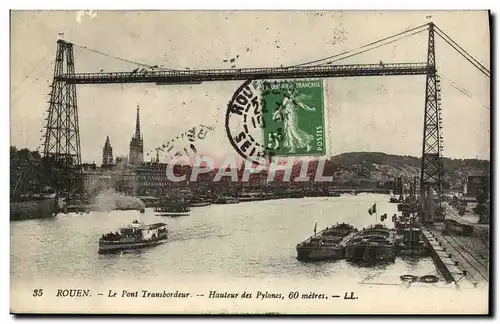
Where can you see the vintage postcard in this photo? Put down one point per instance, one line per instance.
(250, 162)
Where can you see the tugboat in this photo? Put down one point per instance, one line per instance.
(373, 244)
(135, 236)
(326, 245)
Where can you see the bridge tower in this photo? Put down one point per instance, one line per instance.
(432, 169)
(62, 135)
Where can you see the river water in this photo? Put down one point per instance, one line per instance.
(253, 240)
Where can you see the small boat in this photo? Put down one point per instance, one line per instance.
(394, 200)
(199, 202)
(373, 244)
(133, 237)
(326, 245)
(226, 200)
(172, 211)
(410, 242)
(296, 194)
(172, 208)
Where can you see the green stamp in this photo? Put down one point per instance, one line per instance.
(293, 117)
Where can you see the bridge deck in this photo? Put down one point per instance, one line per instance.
(197, 76)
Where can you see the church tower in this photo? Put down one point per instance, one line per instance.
(136, 156)
(107, 153)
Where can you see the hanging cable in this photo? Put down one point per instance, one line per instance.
(462, 52)
(122, 59)
(15, 94)
(463, 91)
(28, 76)
(443, 34)
(361, 47)
(380, 45)
(418, 29)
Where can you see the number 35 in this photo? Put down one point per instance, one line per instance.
(37, 292)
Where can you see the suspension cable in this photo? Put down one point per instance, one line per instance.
(369, 49)
(35, 70)
(122, 59)
(463, 91)
(462, 52)
(418, 29)
(361, 47)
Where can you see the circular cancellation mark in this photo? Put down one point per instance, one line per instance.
(244, 122)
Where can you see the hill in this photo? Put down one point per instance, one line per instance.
(376, 169)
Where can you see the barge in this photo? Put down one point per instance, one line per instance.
(373, 244)
(326, 245)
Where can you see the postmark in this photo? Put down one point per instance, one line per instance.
(244, 122)
(268, 118)
(185, 143)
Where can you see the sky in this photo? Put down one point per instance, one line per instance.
(381, 114)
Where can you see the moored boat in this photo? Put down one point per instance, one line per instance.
(132, 237)
(411, 243)
(373, 244)
(172, 208)
(30, 208)
(172, 211)
(226, 200)
(326, 245)
(333, 193)
(200, 202)
(394, 200)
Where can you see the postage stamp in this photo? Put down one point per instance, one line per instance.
(293, 118)
(267, 118)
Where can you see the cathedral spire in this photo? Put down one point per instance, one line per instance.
(107, 153)
(138, 125)
(136, 156)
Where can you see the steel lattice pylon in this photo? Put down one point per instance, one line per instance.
(62, 136)
(431, 172)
